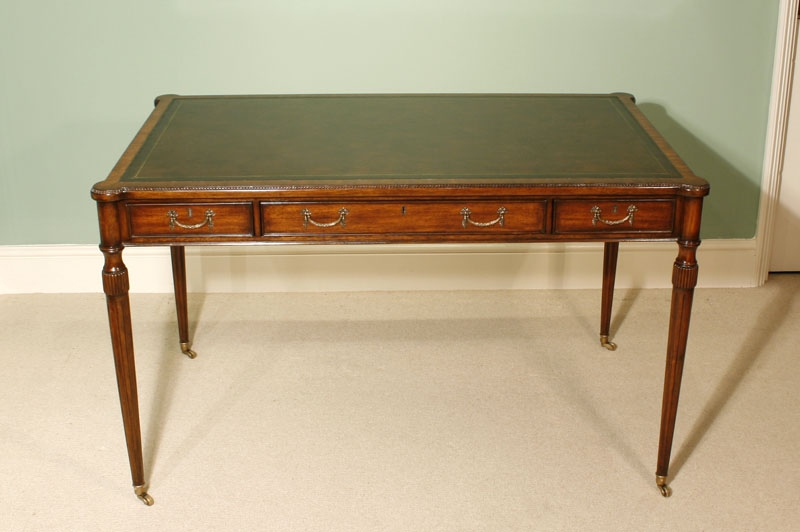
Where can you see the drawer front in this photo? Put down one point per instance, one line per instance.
(190, 219)
(386, 218)
(614, 216)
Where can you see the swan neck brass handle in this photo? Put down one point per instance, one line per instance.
(173, 220)
(597, 212)
(339, 221)
(500, 220)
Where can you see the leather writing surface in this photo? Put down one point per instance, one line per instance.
(398, 137)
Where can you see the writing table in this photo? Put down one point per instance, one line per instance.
(366, 169)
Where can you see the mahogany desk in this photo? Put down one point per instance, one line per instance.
(396, 169)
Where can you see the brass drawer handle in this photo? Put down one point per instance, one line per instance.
(500, 220)
(341, 220)
(173, 220)
(596, 211)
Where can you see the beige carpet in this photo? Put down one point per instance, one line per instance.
(402, 411)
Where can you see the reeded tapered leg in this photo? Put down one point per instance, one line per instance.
(684, 280)
(178, 254)
(116, 286)
(610, 252)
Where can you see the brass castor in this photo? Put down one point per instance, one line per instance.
(611, 346)
(661, 482)
(186, 348)
(141, 493)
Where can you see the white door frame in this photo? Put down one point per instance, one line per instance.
(776, 135)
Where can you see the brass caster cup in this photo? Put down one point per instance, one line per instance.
(141, 493)
(611, 346)
(661, 482)
(186, 348)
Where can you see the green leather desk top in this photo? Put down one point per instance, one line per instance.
(260, 140)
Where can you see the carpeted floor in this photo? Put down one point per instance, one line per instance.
(398, 411)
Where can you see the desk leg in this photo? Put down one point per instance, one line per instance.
(609, 277)
(116, 286)
(179, 281)
(684, 280)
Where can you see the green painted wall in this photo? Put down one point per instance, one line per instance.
(78, 78)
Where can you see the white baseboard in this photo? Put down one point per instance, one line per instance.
(76, 268)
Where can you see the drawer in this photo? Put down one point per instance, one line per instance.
(190, 219)
(614, 216)
(384, 218)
